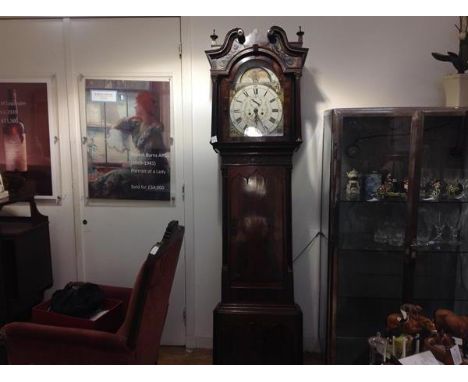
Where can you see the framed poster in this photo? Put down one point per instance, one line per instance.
(128, 125)
(26, 136)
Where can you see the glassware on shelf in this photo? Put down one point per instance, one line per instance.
(453, 226)
(424, 234)
(390, 234)
(380, 236)
(396, 237)
(381, 233)
(454, 235)
(378, 347)
(439, 227)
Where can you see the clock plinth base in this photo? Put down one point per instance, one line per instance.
(249, 334)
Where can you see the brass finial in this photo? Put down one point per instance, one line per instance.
(240, 36)
(214, 37)
(300, 33)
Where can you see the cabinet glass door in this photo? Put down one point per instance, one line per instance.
(440, 250)
(372, 218)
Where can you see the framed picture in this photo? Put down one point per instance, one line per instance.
(28, 133)
(127, 128)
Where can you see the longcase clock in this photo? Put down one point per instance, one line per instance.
(256, 126)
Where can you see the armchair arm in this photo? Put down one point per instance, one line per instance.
(118, 293)
(29, 343)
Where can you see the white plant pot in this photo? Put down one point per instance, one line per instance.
(456, 90)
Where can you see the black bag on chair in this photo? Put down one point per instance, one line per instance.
(77, 299)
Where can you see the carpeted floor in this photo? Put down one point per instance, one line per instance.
(178, 355)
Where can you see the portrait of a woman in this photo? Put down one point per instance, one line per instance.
(146, 175)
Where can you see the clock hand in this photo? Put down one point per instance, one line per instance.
(258, 104)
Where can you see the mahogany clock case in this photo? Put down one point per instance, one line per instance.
(257, 321)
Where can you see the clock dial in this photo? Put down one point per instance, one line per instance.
(256, 110)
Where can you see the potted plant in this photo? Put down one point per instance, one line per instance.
(456, 85)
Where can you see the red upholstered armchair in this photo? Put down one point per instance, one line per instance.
(137, 339)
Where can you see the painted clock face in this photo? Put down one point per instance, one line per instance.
(256, 107)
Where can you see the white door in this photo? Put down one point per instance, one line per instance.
(115, 236)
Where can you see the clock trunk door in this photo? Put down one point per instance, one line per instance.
(257, 235)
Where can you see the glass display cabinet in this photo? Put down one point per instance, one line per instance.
(397, 219)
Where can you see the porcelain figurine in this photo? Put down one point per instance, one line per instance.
(353, 189)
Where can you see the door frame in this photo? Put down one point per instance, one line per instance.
(184, 120)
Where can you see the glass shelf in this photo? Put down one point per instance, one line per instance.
(365, 298)
(392, 249)
(454, 202)
(376, 202)
(388, 249)
(442, 248)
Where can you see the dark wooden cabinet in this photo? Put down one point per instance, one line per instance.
(397, 225)
(25, 263)
(256, 126)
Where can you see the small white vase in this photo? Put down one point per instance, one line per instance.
(456, 90)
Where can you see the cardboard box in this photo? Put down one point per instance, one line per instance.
(108, 319)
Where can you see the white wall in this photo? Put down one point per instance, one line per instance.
(352, 62)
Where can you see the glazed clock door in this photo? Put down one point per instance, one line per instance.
(257, 100)
(256, 104)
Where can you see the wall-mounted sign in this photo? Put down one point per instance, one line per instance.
(128, 130)
(103, 95)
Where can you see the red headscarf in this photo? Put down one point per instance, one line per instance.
(148, 102)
